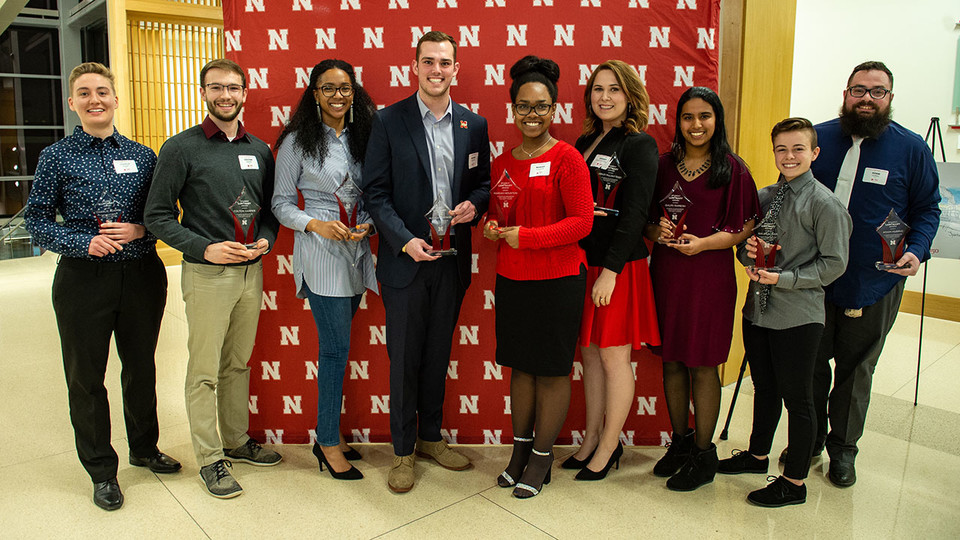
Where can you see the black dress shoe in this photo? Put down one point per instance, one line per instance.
(107, 494)
(158, 463)
(842, 474)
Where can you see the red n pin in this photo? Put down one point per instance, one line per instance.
(463, 124)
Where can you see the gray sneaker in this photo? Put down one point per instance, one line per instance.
(251, 452)
(219, 481)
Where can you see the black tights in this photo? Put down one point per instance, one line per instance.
(538, 404)
(705, 381)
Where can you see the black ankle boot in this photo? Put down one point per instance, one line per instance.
(518, 462)
(676, 455)
(699, 469)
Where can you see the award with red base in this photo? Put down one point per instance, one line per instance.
(504, 196)
(244, 211)
(609, 174)
(766, 234)
(348, 199)
(675, 207)
(439, 219)
(893, 232)
(107, 210)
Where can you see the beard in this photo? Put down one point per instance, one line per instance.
(870, 126)
(215, 112)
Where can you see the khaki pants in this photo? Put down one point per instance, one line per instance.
(223, 308)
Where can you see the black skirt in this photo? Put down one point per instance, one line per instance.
(538, 323)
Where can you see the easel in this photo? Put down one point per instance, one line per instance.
(935, 135)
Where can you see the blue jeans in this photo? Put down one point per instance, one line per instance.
(333, 316)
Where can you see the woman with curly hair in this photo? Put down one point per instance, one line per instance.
(320, 156)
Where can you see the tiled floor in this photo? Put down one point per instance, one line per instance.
(909, 465)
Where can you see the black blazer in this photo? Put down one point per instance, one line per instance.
(616, 240)
(397, 188)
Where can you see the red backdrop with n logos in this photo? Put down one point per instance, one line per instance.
(672, 43)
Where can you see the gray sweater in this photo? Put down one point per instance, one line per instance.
(207, 175)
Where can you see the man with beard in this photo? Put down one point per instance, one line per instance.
(873, 164)
(422, 150)
(222, 177)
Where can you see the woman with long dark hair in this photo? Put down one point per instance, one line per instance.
(619, 312)
(541, 272)
(694, 279)
(320, 155)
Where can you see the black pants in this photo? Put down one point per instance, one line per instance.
(421, 318)
(781, 366)
(93, 300)
(855, 345)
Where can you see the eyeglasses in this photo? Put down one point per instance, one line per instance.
(877, 92)
(542, 109)
(329, 90)
(215, 88)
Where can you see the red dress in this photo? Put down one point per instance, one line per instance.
(696, 295)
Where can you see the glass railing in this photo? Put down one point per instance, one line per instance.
(15, 241)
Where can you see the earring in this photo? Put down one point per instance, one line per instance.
(319, 112)
(351, 114)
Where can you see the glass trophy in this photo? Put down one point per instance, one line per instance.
(244, 211)
(893, 232)
(348, 199)
(675, 207)
(610, 175)
(439, 219)
(107, 209)
(766, 234)
(505, 194)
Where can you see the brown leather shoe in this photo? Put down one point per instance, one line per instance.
(441, 452)
(401, 477)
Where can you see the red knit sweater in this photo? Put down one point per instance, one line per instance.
(553, 211)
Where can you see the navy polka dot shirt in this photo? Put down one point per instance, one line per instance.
(73, 176)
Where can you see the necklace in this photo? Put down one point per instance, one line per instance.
(530, 154)
(687, 173)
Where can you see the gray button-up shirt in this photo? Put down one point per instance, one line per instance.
(440, 146)
(813, 230)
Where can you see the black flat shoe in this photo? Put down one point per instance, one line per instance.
(107, 495)
(573, 463)
(779, 492)
(158, 463)
(352, 454)
(350, 474)
(587, 474)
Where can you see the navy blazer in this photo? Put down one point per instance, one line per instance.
(397, 187)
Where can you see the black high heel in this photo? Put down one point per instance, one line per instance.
(521, 451)
(350, 474)
(525, 490)
(573, 463)
(352, 454)
(587, 474)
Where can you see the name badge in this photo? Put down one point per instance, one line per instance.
(600, 161)
(473, 160)
(540, 169)
(875, 176)
(248, 162)
(123, 166)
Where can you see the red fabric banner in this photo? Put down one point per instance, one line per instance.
(672, 43)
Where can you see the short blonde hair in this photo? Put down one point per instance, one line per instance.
(92, 67)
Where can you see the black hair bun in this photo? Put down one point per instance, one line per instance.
(532, 64)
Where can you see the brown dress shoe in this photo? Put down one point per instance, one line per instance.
(401, 475)
(441, 452)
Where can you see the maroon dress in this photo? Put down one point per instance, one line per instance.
(696, 295)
